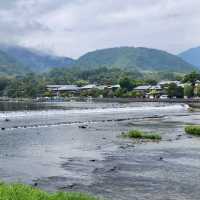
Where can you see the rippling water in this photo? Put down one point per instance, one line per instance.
(75, 146)
(114, 110)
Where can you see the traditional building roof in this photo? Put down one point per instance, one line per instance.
(155, 87)
(68, 88)
(168, 82)
(54, 86)
(114, 86)
(88, 87)
(143, 87)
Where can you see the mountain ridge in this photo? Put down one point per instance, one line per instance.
(139, 59)
(10, 66)
(36, 61)
(191, 56)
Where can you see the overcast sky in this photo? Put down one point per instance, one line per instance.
(73, 27)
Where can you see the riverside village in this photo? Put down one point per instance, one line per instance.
(161, 90)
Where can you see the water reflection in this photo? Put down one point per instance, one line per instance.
(22, 106)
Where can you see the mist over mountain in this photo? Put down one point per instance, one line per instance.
(10, 66)
(34, 60)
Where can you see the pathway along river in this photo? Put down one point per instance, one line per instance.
(75, 147)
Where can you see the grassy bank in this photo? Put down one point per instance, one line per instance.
(193, 130)
(137, 134)
(23, 192)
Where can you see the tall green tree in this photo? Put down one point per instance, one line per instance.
(188, 90)
(171, 90)
(126, 83)
(175, 91)
(191, 78)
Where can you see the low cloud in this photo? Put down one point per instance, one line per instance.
(73, 27)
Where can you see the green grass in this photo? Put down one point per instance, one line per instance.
(137, 134)
(23, 192)
(193, 130)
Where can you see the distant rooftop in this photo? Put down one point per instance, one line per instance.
(114, 86)
(63, 87)
(169, 82)
(55, 86)
(88, 87)
(69, 88)
(156, 87)
(143, 87)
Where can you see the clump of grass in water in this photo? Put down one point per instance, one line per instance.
(23, 192)
(137, 134)
(193, 130)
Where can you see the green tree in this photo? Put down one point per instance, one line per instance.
(126, 83)
(171, 90)
(151, 82)
(81, 83)
(175, 91)
(191, 78)
(4, 82)
(119, 92)
(188, 91)
(179, 92)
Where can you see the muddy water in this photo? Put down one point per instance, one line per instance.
(76, 147)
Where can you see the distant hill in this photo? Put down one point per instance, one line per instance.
(9, 66)
(36, 61)
(192, 56)
(140, 59)
(16, 60)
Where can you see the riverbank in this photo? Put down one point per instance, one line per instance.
(190, 101)
(23, 192)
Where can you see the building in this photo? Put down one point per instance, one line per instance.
(156, 87)
(102, 87)
(53, 87)
(69, 88)
(149, 91)
(197, 83)
(88, 87)
(113, 87)
(60, 89)
(155, 92)
(166, 83)
(143, 88)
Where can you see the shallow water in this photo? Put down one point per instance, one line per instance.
(47, 146)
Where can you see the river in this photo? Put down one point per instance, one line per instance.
(76, 146)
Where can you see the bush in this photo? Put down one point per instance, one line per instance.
(193, 130)
(22, 192)
(137, 134)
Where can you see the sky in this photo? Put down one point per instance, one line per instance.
(74, 27)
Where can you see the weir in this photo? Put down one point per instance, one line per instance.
(186, 101)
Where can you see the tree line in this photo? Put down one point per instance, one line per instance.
(34, 85)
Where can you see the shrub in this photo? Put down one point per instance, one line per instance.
(22, 192)
(193, 130)
(137, 134)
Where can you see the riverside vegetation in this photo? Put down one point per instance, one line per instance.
(193, 130)
(137, 134)
(23, 192)
(34, 85)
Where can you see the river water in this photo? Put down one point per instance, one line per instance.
(76, 146)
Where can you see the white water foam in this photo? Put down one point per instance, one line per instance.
(164, 109)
